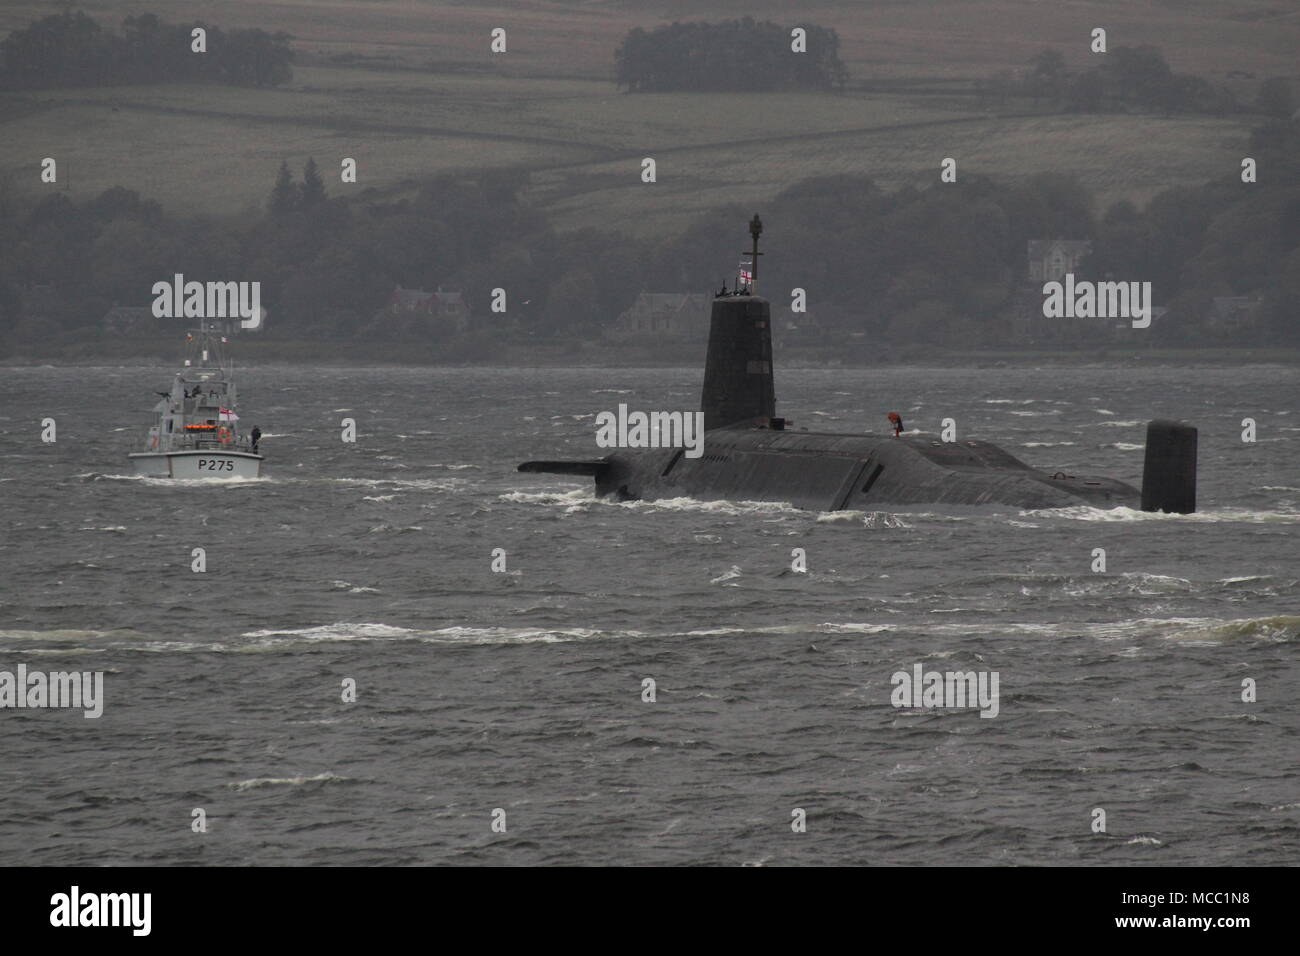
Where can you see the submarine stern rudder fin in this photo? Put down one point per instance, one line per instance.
(1169, 468)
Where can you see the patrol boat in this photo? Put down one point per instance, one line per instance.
(197, 433)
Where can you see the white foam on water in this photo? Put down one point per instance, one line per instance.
(343, 631)
(258, 782)
(1089, 513)
(215, 481)
(583, 498)
(417, 484)
(579, 499)
(883, 519)
(176, 482)
(1179, 631)
(855, 628)
(729, 575)
(695, 505)
(352, 588)
(828, 517)
(55, 634)
(728, 508)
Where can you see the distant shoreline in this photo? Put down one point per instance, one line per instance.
(419, 355)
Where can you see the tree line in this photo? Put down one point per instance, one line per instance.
(949, 268)
(934, 266)
(1128, 78)
(734, 55)
(73, 50)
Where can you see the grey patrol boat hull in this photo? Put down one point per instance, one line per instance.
(196, 464)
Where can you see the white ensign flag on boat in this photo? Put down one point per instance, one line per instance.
(227, 416)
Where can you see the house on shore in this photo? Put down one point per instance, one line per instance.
(667, 316)
(1050, 259)
(446, 308)
(129, 320)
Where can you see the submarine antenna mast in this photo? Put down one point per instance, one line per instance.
(755, 230)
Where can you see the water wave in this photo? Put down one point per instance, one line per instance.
(580, 499)
(257, 783)
(1271, 629)
(1089, 513)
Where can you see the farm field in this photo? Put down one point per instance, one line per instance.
(953, 38)
(417, 94)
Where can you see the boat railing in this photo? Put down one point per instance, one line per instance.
(187, 443)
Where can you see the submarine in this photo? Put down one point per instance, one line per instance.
(749, 454)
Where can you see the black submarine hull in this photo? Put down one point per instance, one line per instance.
(833, 472)
(748, 455)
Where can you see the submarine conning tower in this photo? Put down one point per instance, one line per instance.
(738, 367)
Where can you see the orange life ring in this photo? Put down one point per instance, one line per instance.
(223, 434)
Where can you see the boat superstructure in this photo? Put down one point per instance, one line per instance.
(197, 432)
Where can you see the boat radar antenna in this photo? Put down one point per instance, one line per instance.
(206, 345)
(755, 230)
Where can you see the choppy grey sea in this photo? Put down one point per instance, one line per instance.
(522, 690)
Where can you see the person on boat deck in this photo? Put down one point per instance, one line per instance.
(256, 436)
